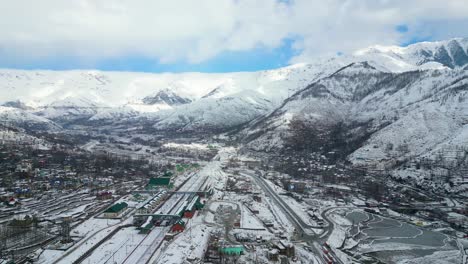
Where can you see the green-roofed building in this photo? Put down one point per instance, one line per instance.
(158, 182)
(115, 210)
(199, 205)
(168, 174)
(179, 168)
(232, 250)
(138, 197)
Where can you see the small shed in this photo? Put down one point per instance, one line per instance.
(232, 250)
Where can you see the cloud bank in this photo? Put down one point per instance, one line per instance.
(195, 31)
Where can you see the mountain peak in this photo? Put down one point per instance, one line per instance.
(166, 96)
(451, 53)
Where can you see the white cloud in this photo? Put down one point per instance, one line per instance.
(194, 31)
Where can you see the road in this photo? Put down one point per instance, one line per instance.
(303, 229)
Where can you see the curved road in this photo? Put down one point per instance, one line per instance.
(302, 228)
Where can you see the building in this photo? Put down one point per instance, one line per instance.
(273, 255)
(25, 166)
(285, 248)
(294, 186)
(232, 250)
(257, 198)
(159, 182)
(115, 210)
(195, 204)
(178, 227)
(105, 195)
(457, 219)
(147, 226)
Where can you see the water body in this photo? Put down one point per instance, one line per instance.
(356, 217)
(378, 231)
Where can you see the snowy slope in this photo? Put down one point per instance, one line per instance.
(361, 93)
(410, 117)
(14, 117)
(452, 53)
(100, 95)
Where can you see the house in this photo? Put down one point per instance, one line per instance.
(232, 250)
(295, 186)
(273, 255)
(178, 227)
(457, 219)
(115, 210)
(105, 195)
(24, 166)
(257, 198)
(285, 248)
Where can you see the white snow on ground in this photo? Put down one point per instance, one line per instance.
(340, 220)
(216, 204)
(337, 237)
(92, 231)
(92, 225)
(185, 146)
(13, 137)
(375, 247)
(75, 210)
(117, 248)
(279, 216)
(440, 257)
(191, 243)
(209, 218)
(145, 250)
(248, 220)
(21, 117)
(299, 208)
(47, 256)
(306, 255)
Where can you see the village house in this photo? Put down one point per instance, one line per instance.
(115, 210)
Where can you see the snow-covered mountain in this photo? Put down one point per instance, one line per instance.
(166, 97)
(196, 100)
(452, 53)
(397, 118)
(15, 117)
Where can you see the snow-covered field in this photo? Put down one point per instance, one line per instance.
(191, 244)
(249, 220)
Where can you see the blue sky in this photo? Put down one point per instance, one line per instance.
(258, 58)
(212, 35)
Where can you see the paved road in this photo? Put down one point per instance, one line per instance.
(303, 229)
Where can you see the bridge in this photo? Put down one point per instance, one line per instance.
(165, 216)
(152, 192)
(188, 192)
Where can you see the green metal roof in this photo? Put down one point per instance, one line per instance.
(116, 208)
(232, 250)
(160, 181)
(181, 222)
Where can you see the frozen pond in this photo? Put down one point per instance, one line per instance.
(356, 217)
(386, 237)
